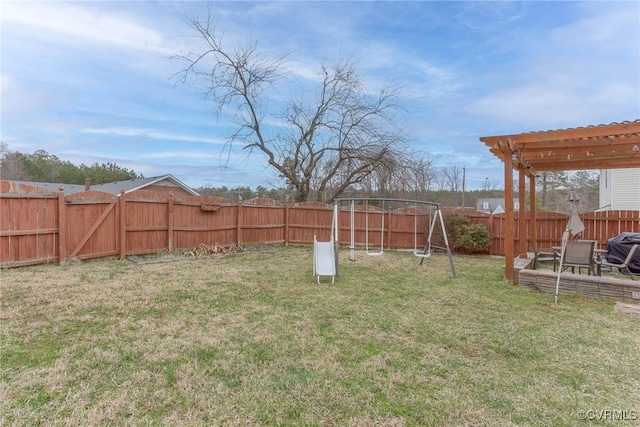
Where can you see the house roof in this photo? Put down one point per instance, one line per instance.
(50, 187)
(138, 184)
(111, 187)
(492, 203)
(612, 146)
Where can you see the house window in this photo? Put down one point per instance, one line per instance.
(485, 205)
(516, 205)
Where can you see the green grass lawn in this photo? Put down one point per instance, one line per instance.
(251, 339)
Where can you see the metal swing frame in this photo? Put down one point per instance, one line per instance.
(427, 248)
(426, 253)
(366, 232)
(352, 228)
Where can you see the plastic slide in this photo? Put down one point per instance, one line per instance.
(324, 262)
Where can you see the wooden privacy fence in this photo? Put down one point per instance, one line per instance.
(38, 227)
(599, 226)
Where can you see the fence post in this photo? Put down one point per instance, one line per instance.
(493, 234)
(239, 223)
(389, 229)
(123, 230)
(170, 222)
(62, 227)
(286, 224)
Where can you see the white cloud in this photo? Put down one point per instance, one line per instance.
(17, 99)
(605, 27)
(178, 154)
(484, 15)
(5, 83)
(540, 107)
(582, 73)
(80, 25)
(151, 134)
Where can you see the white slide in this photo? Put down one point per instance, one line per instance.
(324, 261)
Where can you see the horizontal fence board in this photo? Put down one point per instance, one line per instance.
(40, 231)
(27, 262)
(97, 255)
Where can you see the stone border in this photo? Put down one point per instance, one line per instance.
(622, 290)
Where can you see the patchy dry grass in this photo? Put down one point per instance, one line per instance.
(251, 339)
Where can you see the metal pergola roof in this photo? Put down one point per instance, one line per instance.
(612, 146)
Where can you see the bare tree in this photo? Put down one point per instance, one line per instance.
(549, 183)
(411, 176)
(423, 174)
(390, 181)
(587, 183)
(451, 178)
(328, 145)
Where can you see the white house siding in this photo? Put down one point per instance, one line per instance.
(620, 189)
(605, 189)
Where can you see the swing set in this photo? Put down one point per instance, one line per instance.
(435, 217)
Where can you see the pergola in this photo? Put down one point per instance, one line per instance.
(612, 146)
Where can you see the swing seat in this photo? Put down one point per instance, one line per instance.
(422, 254)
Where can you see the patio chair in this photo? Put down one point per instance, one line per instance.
(543, 256)
(623, 265)
(579, 254)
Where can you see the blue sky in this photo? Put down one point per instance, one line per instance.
(90, 81)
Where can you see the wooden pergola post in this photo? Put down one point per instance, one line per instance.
(522, 213)
(532, 209)
(508, 214)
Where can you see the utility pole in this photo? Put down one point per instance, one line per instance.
(463, 179)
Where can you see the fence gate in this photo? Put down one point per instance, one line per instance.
(91, 225)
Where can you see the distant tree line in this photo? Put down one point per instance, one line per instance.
(443, 197)
(243, 193)
(410, 179)
(44, 167)
(553, 190)
(440, 185)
